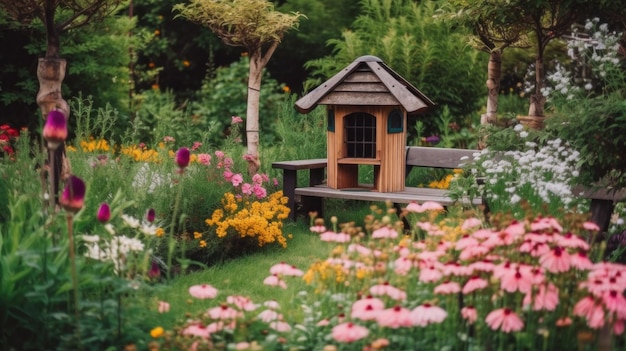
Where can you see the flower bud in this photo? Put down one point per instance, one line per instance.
(73, 197)
(150, 215)
(182, 157)
(55, 129)
(104, 213)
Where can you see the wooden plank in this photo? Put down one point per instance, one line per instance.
(599, 193)
(438, 157)
(409, 194)
(359, 98)
(407, 98)
(359, 76)
(358, 161)
(300, 164)
(377, 87)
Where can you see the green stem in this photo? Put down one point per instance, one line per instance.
(171, 243)
(51, 188)
(70, 233)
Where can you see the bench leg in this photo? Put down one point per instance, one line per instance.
(316, 177)
(601, 212)
(290, 178)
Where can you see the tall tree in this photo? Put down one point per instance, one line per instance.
(58, 16)
(255, 26)
(494, 28)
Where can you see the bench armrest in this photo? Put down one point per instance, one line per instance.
(290, 177)
(301, 164)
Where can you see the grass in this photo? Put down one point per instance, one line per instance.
(242, 276)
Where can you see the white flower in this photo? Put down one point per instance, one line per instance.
(90, 238)
(523, 134)
(148, 228)
(109, 228)
(518, 127)
(131, 221)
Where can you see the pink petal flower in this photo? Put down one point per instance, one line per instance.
(236, 179)
(395, 317)
(386, 289)
(223, 312)
(73, 196)
(470, 314)
(241, 302)
(348, 332)
(556, 260)
(197, 329)
(473, 284)
(447, 288)
(183, 157)
(285, 269)
(204, 291)
(274, 280)
(385, 232)
(426, 314)
(163, 307)
(367, 309)
(504, 319)
(55, 129)
(104, 213)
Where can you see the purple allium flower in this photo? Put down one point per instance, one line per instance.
(150, 215)
(104, 213)
(182, 157)
(433, 139)
(55, 129)
(73, 196)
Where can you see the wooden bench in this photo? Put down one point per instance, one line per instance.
(311, 197)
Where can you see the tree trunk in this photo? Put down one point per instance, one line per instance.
(494, 70)
(537, 100)
(252, 113)
(50, 73)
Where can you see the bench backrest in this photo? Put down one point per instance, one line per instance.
(436, 157)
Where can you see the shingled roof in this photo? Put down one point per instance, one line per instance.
(366, 81)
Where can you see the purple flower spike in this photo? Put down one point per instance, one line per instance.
(182, 157)
(55, 129)
(73, 196)
(104, 213)
(150, 215)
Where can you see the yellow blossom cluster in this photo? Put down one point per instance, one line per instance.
(262, 219)
(93, 145)
(326, 274)
(140, 154)
(444, 183)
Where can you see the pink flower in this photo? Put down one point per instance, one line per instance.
(580, 261)
(547, 298)
(516, 279)
(432, 206)
(223, 312)
(275, 181)
(386, 289)
(268, 316)
(367, 309)
(280, 326)
(394, 317)
(246, 189)
(318, 229)
(182, 157)
(104, 213)
(447, 288)
(204, 291)
(197, 329)
(283, 268)
(556, 260)
(473, 284)
(563, 322)
(426, 314)
(228, 175)
(414, 207)
(402, 265)
(615, 302)
(219, 154)
(470, 223)
(592, 312)
(169, 139)
(505, 320)
(430, 274)
(228, 162)
(150, 215)
(205, 159)
(257, 179)
(385, 232)
(236, 179)
(275, 280)
(348, 332)
(55, 129)
(546, 224)
(259, 191)
(241, 302)
(470, 314)
(570, 240)
(591, 226)
(236, 120)
(73, 196)
(196, 145)
(163, 307)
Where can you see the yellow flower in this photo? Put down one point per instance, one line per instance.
(159, 232)
(157, 332)
(203, 243)
(197, 235)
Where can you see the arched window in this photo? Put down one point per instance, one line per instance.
(360, 135)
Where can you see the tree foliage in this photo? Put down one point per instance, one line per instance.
(431, 54)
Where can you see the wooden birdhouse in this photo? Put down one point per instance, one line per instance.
(367, 106)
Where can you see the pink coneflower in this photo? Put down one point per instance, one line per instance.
(268, 316)
(464, 242)
(430, 274)
(473, 284)
(547, 298)
(285, 269)
(349, 332)
(563, 322)
(580, 260)
(223, 312)
(473, 252)
(482, 265)
(330, 236)
(236, 120)
(280, 326)
(385, 232)
(104, 213)
(456, 269)
(447, 288)
(73, 196)
(183, 157)
(556, 260)
(546, 224)
(241, 302)
(414, 207)
(470, 314)
(432, 206)
(163, 307)
(273, 304)
(618, 327)
(615, 302)
(591, 226)
(197, 329)
(518, 279)
(203, 291)
(402, 265)
(318, 229)
(426, 314)
(389, 290)
(470, 223)
(55, 129)
(516, 229)
(275, 280)
(570, 240)
(367, 309)
(394, 317)
(592, 312)
(205, 159)
(504, 319)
